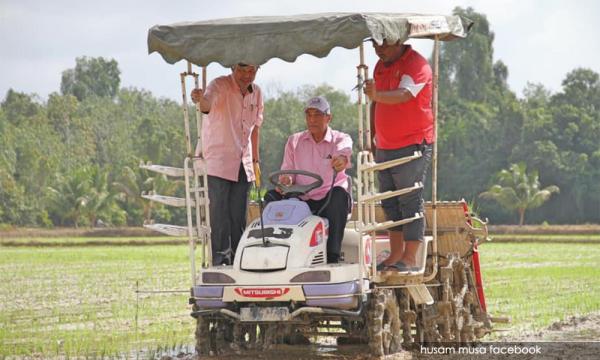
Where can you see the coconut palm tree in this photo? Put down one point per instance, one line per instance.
(83, 197)
(517, 190)
(68, 197)
(131, 183)
(101, 198)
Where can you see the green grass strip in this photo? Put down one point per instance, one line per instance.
(552, 238)
(92, 241)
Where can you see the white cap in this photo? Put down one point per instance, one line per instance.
(319, 103)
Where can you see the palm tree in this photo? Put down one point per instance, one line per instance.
(84, 194)
(130, 184)
(101, 198)
(517, 190)
(69, 196)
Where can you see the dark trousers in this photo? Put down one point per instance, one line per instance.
(228, 207)
(336, 212)
(403, 176)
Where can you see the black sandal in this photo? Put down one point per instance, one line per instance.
(400, 266)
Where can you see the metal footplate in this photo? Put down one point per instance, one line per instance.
(390, 224)
(420, 294)
(171, 230)
(175, 230)
(166, 170)
(372, 166)
(170, 200)
(389, 194)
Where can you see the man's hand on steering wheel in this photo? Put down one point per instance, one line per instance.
(283, 182)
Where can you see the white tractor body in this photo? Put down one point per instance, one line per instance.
(289, 265)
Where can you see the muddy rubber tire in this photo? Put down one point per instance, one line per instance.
(203, 338)
(213, 336)
(383, 323)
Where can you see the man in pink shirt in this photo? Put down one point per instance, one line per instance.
(230, 139)
(321, 150)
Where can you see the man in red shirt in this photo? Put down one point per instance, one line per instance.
(402, 123)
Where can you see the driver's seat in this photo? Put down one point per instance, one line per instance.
(286, 212)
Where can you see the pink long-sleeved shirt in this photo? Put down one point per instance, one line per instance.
(226, 131)
(303, 153)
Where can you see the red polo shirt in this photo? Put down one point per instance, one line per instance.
(409, 123)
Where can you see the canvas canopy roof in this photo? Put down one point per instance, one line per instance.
(255, 40)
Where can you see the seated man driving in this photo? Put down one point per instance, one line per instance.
(325, 152)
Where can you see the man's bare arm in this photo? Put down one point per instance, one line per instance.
(397, 96)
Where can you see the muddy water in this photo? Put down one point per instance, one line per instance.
(576, 338)
(302, 352)
(548, 351)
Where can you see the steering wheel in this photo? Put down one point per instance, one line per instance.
(295, 189)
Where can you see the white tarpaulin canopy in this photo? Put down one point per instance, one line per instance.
(255, 40)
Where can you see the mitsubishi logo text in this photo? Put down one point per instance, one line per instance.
(262, 292)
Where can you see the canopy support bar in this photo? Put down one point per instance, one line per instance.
(434, 105)
(195, 166)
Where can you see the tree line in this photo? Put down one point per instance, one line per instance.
(72, 160)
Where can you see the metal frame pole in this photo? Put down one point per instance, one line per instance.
(201, 202)
(369, 209)
(186, 125)
(197, 153)
(188, 202)
(186, 117)
(359, 85)
(360, 186)
(359, 160)
(366, 179)
(200, 207)
(434, 105)
(205, 210)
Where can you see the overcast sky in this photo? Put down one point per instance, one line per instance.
(539, 40)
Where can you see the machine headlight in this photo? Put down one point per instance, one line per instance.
(312, 276)
(216, 278)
